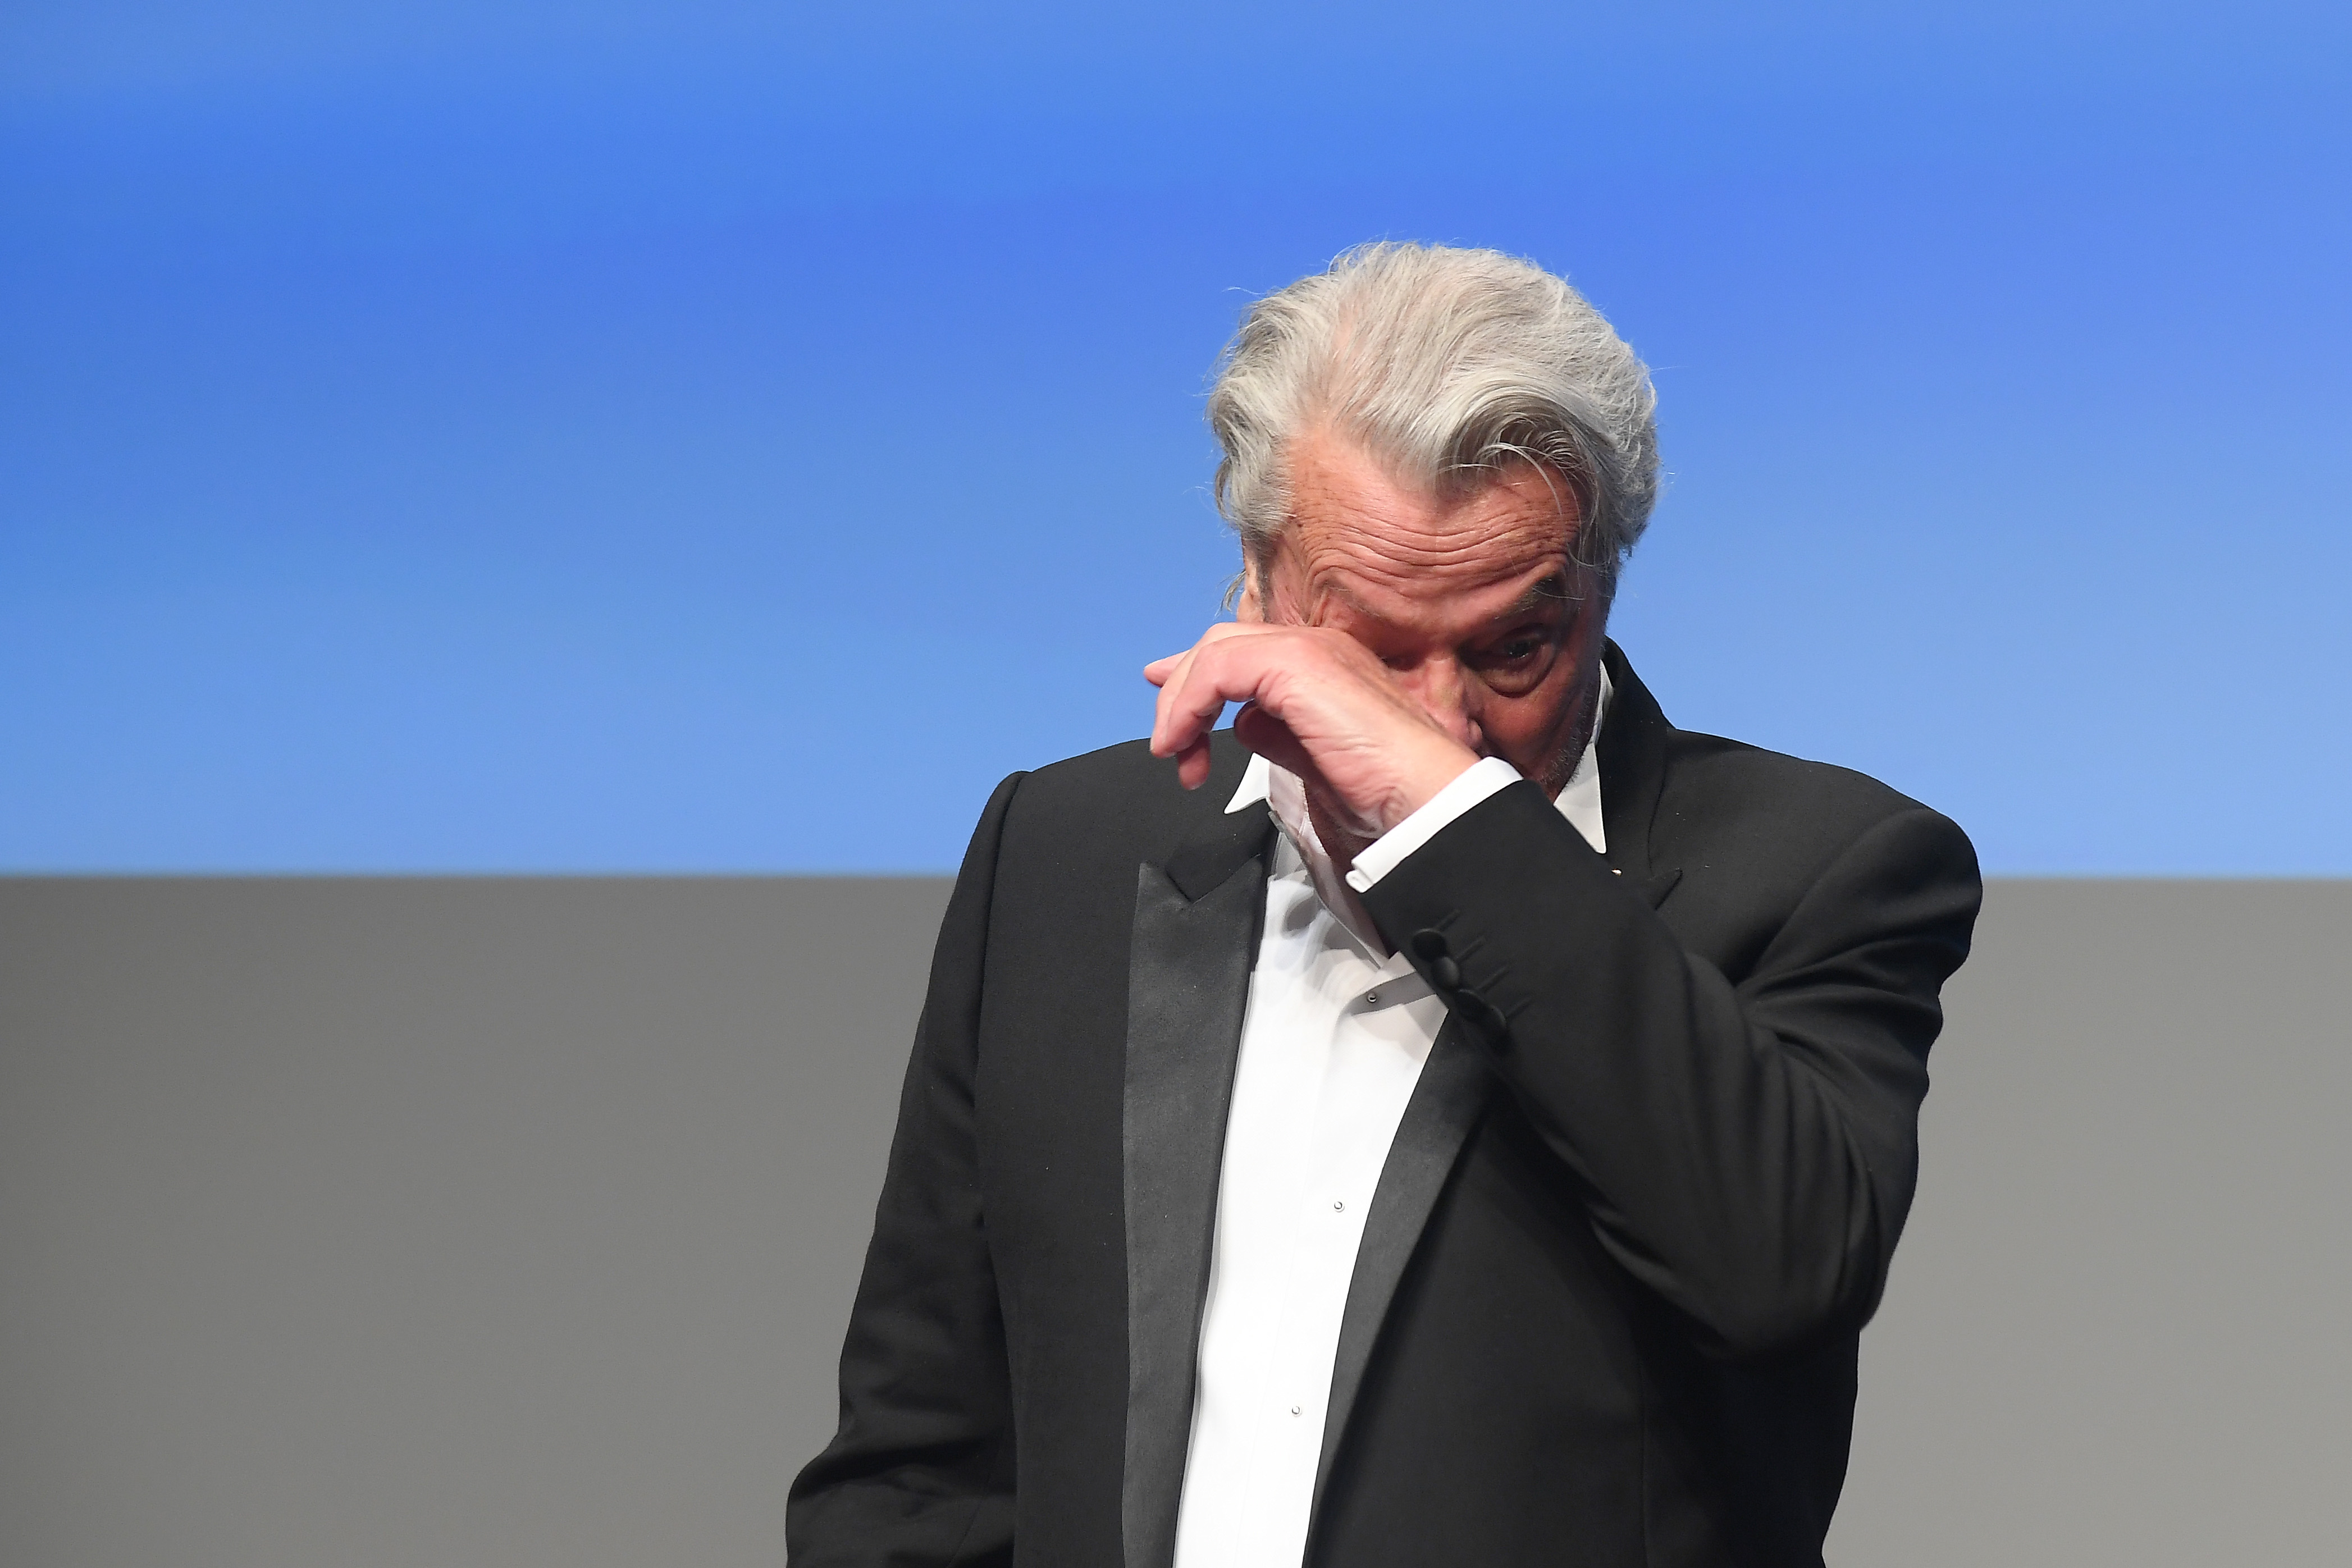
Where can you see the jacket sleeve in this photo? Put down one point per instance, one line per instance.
(921, 1470)
(1748, 1152)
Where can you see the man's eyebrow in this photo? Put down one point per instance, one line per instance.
(1551, 588)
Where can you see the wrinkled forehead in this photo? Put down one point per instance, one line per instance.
(1362, 545)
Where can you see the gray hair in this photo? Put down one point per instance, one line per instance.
(1449, 364)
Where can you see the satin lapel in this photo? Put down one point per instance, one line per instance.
(1632, 776)
(1446, 1105)
(1196, 942)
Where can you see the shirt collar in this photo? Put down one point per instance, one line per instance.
(1580, 798)
(1256, 778)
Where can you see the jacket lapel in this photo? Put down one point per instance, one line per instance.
(1196, 942)
(1446, 1104)
(1633, 745)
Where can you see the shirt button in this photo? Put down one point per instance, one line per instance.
(1294, 1410)
(1338, 1206)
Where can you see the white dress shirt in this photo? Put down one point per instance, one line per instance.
(1332, 1043)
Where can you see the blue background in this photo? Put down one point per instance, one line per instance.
(503, 436)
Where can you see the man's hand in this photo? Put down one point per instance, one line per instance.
(1317, 701)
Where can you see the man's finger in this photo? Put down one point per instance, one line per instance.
(1192, 764)
(1192, 702)
(1182, 710)
(1171, 679)
(1158, 671)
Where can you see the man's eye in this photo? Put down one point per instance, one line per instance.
(1513, 650)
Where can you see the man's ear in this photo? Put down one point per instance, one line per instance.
(1248, 607)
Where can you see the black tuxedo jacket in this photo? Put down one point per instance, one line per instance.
(1642, 1199)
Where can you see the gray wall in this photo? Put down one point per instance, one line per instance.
(492, 1223)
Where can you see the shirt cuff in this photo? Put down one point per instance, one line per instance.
(1471, 785)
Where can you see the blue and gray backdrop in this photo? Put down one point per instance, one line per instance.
(512, 515)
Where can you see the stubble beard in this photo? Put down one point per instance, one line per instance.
(1583, 735)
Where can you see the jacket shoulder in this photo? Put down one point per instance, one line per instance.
(1713, 771)
(1121, 804)
(1777, 819)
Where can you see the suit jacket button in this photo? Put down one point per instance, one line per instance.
(1445, 973)
(1481, 1012)
(1429, 945)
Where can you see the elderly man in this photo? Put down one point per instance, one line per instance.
(1453, 1117)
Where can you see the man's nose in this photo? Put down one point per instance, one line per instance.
(1443, 689)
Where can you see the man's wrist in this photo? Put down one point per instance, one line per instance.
(1467, 789)
(1434, 762)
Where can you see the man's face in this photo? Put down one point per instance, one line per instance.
(1472, 603)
